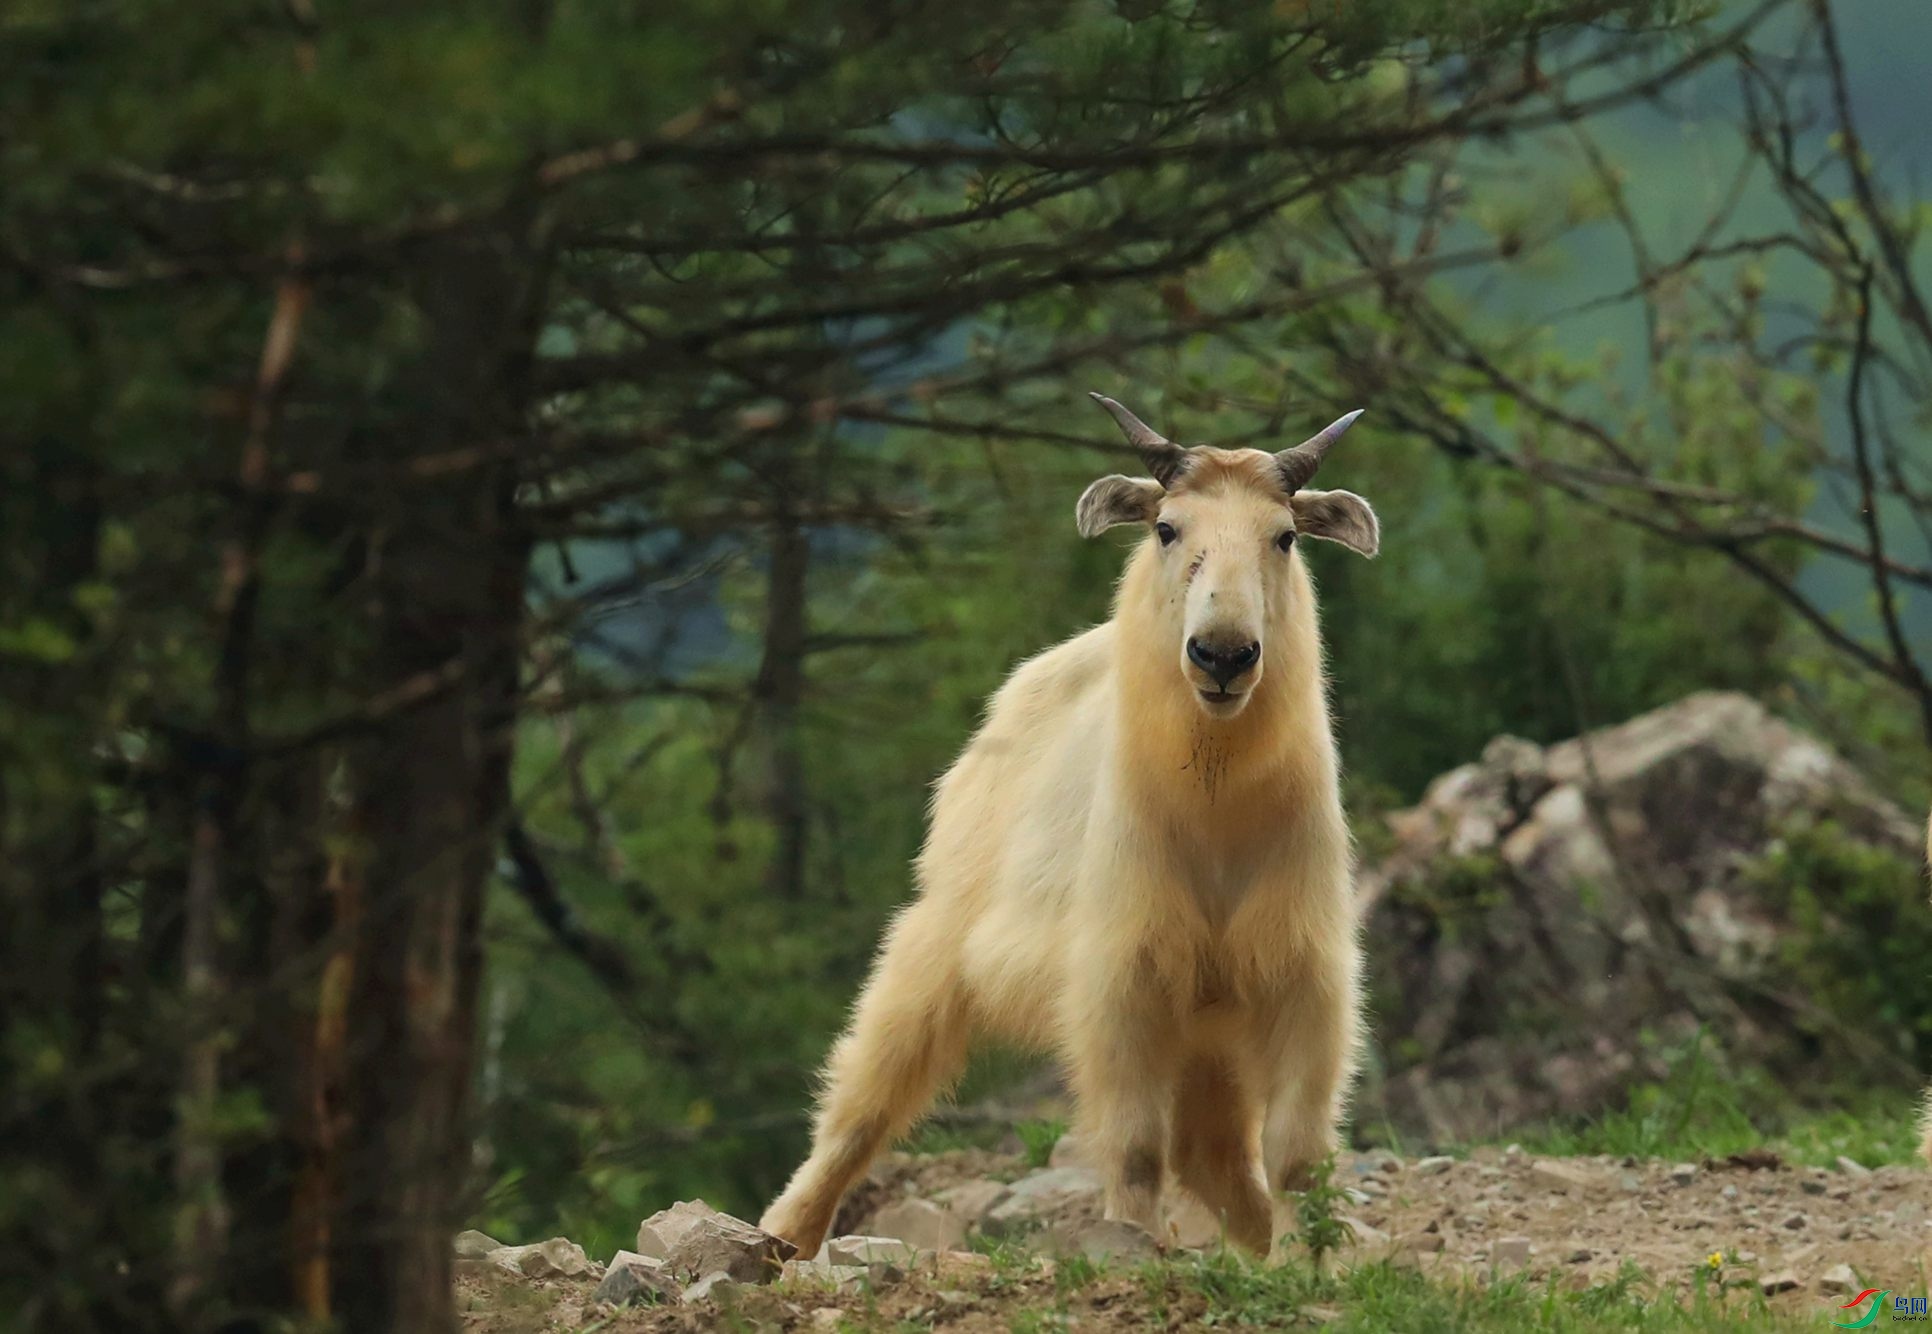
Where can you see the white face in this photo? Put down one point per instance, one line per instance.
(1224, 555)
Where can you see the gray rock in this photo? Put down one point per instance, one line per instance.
(1102, 1240)
(1565, 1178)
(922, 1225)
(1782, 1281)
(717, 1287)
(631, 1277)
(1365, 1235)
(475, 1245)
(822, 1272)
(972, 1200)
(1510, 1252)
(869, 1251)
(1795, 1221)
(1037, 1196)
(1433, 1167)
(1852, 1167)
(1838, 1279)
(695, 1242)
(1642, 834)
(1684, 1173)
(558, 1257)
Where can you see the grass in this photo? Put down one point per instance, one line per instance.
(1699, 1111)
(1383, 1297)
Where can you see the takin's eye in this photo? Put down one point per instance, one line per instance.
(1286, 541)
(1165, 532)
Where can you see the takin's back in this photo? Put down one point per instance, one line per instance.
(1007, 824)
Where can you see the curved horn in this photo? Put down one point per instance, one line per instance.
(1298, 464)
(1163, 457)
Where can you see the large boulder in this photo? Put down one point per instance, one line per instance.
(695, 1241)
(1551, 920)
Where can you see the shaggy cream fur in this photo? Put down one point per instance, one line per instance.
(1142, 873)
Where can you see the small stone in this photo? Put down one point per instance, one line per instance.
(821, 1273)
(1565, 1178)
(1363, 1234)
(1068, 1151)
(1038, 1195)
(1838, 1278)
(474, 1245)
(922, 1225)
(825, 1320)
(869, 1251)
(879, 1274)
(1510, 1252)
(717, 1287)
(1747, 1257)
(1435, 1166)
(1782, 1281)
(1581, 1255)
(1794, 1222)
(1684, 1173)
(1422, 1243)
(1103, 1240)
(557, 1258)
(1357, 1196)
(1630, 1183)
(631, 1277)
(1513, 1151)
(1729, 1192)
(1852, 1167)
(971, 1200)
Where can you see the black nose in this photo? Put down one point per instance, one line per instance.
(1222, 662)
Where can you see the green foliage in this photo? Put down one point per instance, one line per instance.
(1381, 1297)
(1859, 941)
(1323, 1230)
(1707, 1107)
(1039, 1137)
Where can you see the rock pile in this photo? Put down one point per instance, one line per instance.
(1544, 907)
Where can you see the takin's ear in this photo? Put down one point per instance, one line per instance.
(1117, 500)
(1338, 516)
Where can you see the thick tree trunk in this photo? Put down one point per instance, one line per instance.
(432, 787)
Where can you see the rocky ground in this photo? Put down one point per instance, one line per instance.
(980, 1241)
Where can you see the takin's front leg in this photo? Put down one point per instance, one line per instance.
(1124, 1052)
(907, 1039)
(1311, 1047)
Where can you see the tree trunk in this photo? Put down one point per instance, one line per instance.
(780, 692)
(432, 787)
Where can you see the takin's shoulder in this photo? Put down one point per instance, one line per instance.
(1055, 681)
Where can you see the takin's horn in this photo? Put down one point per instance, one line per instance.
(1298, 464)
(1163, 457)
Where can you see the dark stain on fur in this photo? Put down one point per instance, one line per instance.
(1142, 1169)
(1209, 763)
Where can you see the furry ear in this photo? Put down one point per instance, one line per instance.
(1117, 500)
(1338, 516)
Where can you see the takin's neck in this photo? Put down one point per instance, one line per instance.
(1279, 746)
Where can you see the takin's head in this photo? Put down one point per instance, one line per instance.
(1225, 523)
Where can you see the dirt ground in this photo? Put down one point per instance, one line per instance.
(1799, 1234)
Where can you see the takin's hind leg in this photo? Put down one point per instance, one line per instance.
(1310, 1051)
(906, 1040)
(1216, 1150)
